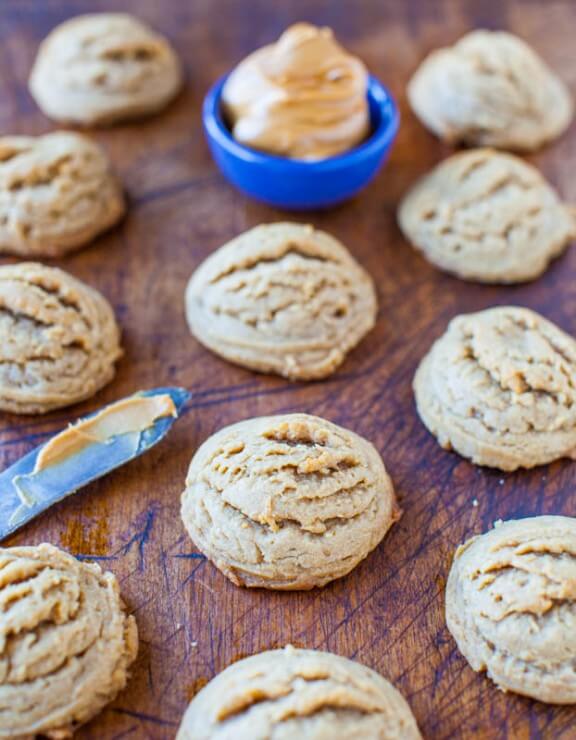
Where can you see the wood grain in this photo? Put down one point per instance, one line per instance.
(389, 612)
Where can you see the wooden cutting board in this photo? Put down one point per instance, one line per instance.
(389, 612)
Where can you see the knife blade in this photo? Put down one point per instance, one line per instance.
(55, 469)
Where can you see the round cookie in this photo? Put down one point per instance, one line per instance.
(490, 89)
(282, 298)
(499, 387)
(105, 67)
(287, 502)
(511, 606)
(292, 694)
(57, 193)
(66, 642)
(487, 216)
(58, 339)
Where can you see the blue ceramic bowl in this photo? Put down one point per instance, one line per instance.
(297, 185)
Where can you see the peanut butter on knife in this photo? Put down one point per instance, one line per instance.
(134, 414)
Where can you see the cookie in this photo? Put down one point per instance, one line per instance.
(490, 89)
(511, 606)
(499, 387)
(292, 694)
(66, 642)
(57, 193)
(105, 67)
(487, 216)
(282, 298)
(287, 502)
(58, 339)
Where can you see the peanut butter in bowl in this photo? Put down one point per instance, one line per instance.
(303, 97)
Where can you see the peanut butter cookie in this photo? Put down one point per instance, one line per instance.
(487, 216)
(499, 387)
(58, 339)
(66, 642)
(511, 606)
(287, 502)
(105, 67)
(57, 193)
(282, 298)
(491, 89)
(292, 694)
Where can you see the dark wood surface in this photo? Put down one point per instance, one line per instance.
(389, 612)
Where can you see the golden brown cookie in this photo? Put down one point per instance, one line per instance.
(499, 387)
(511, 606)
(293, 694)
(287, 502)
(59, 339)
(66, 642)
(104, 67)
(282, 298)
(57, 193)
(491, 89)
(487, 216)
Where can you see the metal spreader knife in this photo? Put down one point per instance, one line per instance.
(85, 451)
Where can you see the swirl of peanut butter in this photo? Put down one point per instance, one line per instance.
(303, 97)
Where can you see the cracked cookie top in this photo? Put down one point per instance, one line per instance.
(487, 216)
(58, 339)
(511, 606)
(104, 67)
(499, 387)
(293, 693)
(282, 298)
(57, 193)
(287, 502)
(66, 642)
(490, 89)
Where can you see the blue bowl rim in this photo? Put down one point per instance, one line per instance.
(379, 140)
